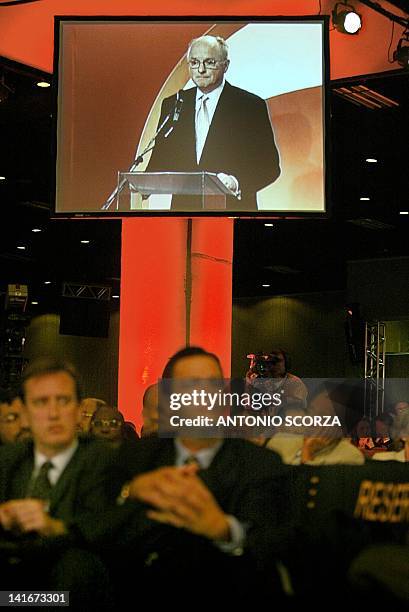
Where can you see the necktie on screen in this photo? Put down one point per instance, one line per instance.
(202, 126)
(41, 487)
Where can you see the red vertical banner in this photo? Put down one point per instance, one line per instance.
(211, 307)
(155, 305)
(152, 316)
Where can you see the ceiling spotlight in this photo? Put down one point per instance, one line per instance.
(401, 55)
(47, 282)
(268, 224)
(404, 212)
(346, 19)
(371, 160)
(266, 285)
(43, 84)
(364, 199)
(36, 230)
(2, 178)
(115, 297)
(84, 241)
(34, 303)
(21, 248)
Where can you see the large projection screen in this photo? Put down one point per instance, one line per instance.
(120, 78)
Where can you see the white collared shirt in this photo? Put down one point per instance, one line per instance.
(59, 462)
(212, 100)
(204, 456)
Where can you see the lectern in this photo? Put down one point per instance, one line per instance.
(135, 191)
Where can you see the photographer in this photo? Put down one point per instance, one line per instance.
(269, 372)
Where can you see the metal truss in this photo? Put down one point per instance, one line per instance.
(375, 344)
(90, 292)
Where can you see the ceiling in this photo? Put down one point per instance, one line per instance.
(56, 253)
(293, 256)
(316, 251)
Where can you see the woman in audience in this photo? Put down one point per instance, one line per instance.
(400, 435)
(315, 446)
(315, 450)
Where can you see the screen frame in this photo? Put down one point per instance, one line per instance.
(260, 214)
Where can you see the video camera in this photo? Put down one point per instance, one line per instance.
(261, 363)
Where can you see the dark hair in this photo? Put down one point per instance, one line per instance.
(189, 351)
(47, 365)
(113, 408)
(287, 361)
(129, 432)
(386, 418)
(5, 396)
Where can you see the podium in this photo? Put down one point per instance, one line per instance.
(147, 191)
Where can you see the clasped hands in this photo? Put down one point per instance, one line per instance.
(313, 445)
(29, 515)
(179, 498)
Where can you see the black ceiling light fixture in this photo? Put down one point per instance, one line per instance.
(401, 54)
(346, 19)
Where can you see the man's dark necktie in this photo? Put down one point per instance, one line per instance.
(192, 459)
(41, 487)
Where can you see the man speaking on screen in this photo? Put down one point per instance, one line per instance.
(216, 127)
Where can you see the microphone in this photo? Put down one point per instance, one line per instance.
(139, 159)
(178, 106)
(176, 112)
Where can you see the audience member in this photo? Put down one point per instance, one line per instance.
(270, 372)
(13, 424)
(383, 425)
(129, 433)
(107, 424)
(150, 412)
(361, 435)
(314, 450)
(200, 503)
(398, 406)
(400, 434)
(51, 487)
(88, 406)
(315, 445)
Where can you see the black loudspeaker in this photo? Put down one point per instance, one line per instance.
(82, 317)
(355, 333)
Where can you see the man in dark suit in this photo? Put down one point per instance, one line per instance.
(201, 505)
(52, 486)
(216, 127)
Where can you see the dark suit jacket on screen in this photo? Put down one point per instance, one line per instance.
(240, 142)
